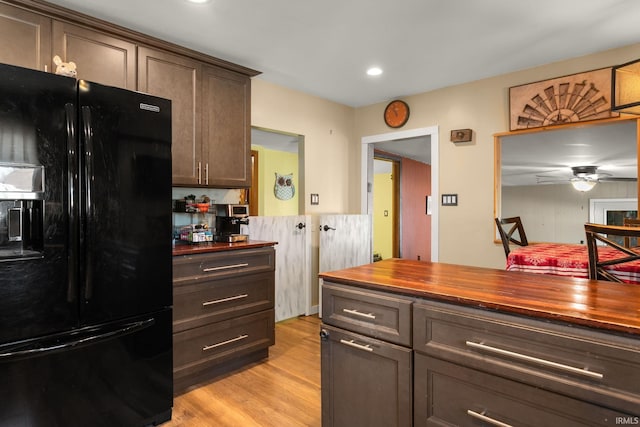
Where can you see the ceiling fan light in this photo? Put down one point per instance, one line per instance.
(583, 184)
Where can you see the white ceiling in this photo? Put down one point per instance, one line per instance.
(324, 47)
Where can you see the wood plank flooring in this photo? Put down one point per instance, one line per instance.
(283, 391)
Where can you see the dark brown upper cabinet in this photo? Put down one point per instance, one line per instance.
(25, 38)
(99, 57)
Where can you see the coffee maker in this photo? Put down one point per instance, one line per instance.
(229, 217)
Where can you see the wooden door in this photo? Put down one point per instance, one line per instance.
(226, 122)
(344, 241)
(25, 38)
(293, 260)
(98, 57)
(178, 79)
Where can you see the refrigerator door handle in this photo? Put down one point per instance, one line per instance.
(87, 131)
(72, 177)
(90, 336)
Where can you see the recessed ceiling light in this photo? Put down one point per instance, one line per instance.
(199, 1)
(374, 71)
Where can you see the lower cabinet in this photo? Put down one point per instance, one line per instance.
(223, 313)
(367, 361)
(453, 365)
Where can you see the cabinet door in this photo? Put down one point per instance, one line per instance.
(365, 382)
(25, 38)
(98, 57)
(226, 128)
(178, 79)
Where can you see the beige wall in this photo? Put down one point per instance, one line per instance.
(327, 128)
(333, 135)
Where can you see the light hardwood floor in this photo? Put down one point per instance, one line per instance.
(282, 391)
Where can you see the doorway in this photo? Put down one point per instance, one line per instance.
(276, 154)
(429, 134)
(386, 206)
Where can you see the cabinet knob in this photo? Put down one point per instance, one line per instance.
(300, 226)
(324, 334)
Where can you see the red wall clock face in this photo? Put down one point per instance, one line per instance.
(396, 114)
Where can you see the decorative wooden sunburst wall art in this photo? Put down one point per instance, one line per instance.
(574, 98)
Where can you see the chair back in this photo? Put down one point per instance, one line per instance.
(511, 231)
(631, 222)
(605, 234)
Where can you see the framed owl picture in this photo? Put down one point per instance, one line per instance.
(284, 188)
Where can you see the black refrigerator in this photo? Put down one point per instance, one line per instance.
(85, 253)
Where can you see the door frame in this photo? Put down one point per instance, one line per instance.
(366, 182)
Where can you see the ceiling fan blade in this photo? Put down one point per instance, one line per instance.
(618, 179)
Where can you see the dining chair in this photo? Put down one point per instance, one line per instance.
(631, 222)
(507, 227)
(605, 234)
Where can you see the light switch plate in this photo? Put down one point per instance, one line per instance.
(315, 199)
(449, 200)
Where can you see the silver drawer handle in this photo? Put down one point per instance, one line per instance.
(572, 369)
(232, 340)
(351, 343)
(487, 419)
(225, 267)
(218, 301)
(359, 313)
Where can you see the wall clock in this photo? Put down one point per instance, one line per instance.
(396, 113)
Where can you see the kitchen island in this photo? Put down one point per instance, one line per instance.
(223, 317)
(408, 342)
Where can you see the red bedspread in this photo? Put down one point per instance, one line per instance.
(563, 259)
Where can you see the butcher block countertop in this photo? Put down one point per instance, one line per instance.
(596, 304)
(201, 248)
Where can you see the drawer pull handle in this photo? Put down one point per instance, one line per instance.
(487, 419)
(232, 340)
(572, 369)
(351, 343)
(218, 301)
(225, 267)
(358, 313)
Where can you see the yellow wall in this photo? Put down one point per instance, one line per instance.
(270, 162)
(383, 225)
(333, 135)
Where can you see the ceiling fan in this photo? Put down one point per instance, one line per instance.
(585, 178)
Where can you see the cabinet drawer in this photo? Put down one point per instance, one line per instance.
(210, 345)
(376, 314)
(210, 301)
(449, 394)
(581, 363)
(190, 268)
